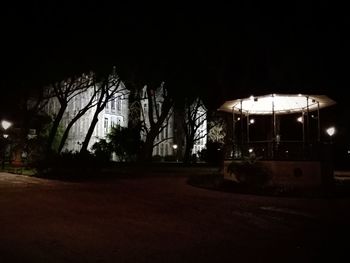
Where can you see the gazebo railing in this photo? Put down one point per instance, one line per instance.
(283, 150)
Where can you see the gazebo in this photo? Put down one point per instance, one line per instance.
(296, 163)
(276, 106)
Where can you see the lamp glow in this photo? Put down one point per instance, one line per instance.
(252, 121)
(6, 124)
(331, 131)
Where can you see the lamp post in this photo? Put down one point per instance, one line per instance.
(330, 131)
(5, 126)
(175, 150)
(329, 177)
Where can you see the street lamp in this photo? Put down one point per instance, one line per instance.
(331, 131)
(175, 150)
(5, 125)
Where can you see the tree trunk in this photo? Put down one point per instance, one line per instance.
(65, 136)
(84, 147)
(54, 128)
(188, 149)
(147, 149)
(69, 126)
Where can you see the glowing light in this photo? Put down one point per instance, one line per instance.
(300, 119)
(252, 121)
(6, 135)
(250, 150)
(175, 146)
(238, 118)
(6, 124)
(282, 104)
(331, 131)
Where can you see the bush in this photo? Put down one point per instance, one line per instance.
(213, 154)
(157, 158)
(102, 151)
(68, 165)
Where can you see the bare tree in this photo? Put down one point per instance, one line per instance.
(91, 91)
(154, 117)
(109, 85)
(195, 117)
(64, 92)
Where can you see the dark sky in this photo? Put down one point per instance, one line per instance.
(221, 51)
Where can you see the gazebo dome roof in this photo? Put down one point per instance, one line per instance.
(277, 103)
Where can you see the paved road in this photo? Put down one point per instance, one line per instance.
(163, 219)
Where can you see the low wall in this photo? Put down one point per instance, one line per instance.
(296, 174)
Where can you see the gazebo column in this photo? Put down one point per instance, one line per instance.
(307, 128)
(307, 120)
(248, 128)
(303, 133)
(242, 134)
(233, 132)
(273, 127)
(318, 123)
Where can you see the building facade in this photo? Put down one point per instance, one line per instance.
(201, 133)
(115, 113)
(167, 143)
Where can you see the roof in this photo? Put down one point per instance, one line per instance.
(278, 103)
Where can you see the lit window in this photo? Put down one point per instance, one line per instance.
(106, 125)
(119, 103)
(113, 104)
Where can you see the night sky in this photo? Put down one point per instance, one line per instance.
(219, 51)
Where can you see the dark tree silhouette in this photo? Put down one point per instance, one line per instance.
(195, 116)
(64, 91)
(154, 119)
(93, 89)
(109, 85)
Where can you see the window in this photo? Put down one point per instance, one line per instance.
(119, 103)
(113, 103)
(106, 125)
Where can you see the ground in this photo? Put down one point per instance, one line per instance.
(161, 218)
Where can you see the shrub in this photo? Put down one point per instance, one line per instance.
(68, 165)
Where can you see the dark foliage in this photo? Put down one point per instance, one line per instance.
(213, 154)
(69, 166)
